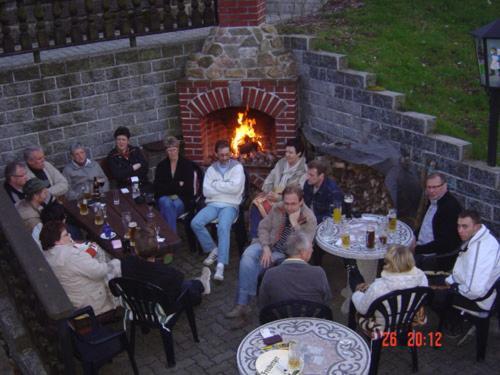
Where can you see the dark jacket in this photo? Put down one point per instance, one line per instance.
(121, 168)
(444, 227)
(159, 274)
(321, 201)
(14, 195)
(166, 184)
(294, 279)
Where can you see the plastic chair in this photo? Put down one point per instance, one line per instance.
(150, 307)
(480, 319)
(95, 345)
(294, 308)
(398, 309)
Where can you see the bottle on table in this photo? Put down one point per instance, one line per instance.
(96, 193)
(348, 199)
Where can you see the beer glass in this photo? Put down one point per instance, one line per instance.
(295, 358)
(98, 214)
(383, 238)
(132, 229)
(87, 190)
(126, 219)
(337, 212)
(345, 237)
(83, 206)
(348, 199)
(370, 237)
(393, 220)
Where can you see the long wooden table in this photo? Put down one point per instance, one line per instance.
(114, 219)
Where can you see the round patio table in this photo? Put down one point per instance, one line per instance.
(329, 347)
(328, 237)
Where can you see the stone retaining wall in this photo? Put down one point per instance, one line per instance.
(85, 97)
(278, 10)
(335, 102)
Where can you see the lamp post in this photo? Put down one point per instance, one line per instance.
(487, 42)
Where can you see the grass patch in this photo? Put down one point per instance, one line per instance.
(420, 48)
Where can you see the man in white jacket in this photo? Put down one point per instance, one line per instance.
(223, 188)
(477, 266)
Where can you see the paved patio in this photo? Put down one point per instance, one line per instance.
(219, 337)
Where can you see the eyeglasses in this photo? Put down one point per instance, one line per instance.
(434, 187)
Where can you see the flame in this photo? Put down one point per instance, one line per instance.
(245, 132)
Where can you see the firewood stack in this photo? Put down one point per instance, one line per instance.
(365, 183)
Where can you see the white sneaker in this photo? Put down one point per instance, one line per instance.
(205, 279)
(211, 258)
(219, 272)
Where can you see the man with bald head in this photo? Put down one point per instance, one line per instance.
(40, 168)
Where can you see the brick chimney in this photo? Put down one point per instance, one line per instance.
(241, 12)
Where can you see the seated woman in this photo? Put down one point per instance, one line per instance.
(82, 276)
(125, 160)
(399, 273)
(173, 184)
(291, 169)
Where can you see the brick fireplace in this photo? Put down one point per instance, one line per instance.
(243, 64)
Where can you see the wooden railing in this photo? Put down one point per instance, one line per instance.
(41, 302)
(34, 25)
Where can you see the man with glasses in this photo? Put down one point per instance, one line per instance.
(15, 178)
(438, 232)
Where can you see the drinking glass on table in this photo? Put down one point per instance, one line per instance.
(132, 229)
(150, 201)
(393, 220)
(126, 218)
(295, 358)
(116, 197)
(337, 212)
(98, 214)
(83, 205)
(345, 236)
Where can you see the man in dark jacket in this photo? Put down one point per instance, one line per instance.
(320, 191)
(438, 232)
(145, 268)
(15, 178)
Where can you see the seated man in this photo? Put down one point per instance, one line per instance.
(43, 170)
(15, 178)
(475, 271)
(81, 170)
(295, 278)
(82, 276)
(223, 188)
(320, 191)
(438, 232)
(145, 268)
(36, 192)
(284, 218)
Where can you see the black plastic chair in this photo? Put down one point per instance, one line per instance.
(95, 345)
(480, 319)
(294, 309)
(398, 309)
(150, 307)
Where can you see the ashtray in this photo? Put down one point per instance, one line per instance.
(104, 237)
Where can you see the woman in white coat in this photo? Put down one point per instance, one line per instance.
(82, 276)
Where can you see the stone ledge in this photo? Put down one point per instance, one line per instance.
(387, 99)
(418, 122)
(358, 79)
(451, 147)
(328, 60)
(483, 174)
(299, 42)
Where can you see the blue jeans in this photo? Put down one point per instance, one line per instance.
(170, 209)
(250, 269)
(226, 216)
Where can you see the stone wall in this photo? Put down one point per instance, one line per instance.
(278, 10)
(83, 97)
(336, 104)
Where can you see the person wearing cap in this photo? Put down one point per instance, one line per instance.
(40, 168)
(80, 170)
(125, 160)
(29, 208)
